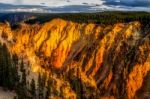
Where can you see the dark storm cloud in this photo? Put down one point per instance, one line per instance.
(129, 3)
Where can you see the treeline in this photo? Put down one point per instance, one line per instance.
(13, 77)
(111, 17)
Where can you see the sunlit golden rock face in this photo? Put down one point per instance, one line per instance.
(111, 60)
(140, 69)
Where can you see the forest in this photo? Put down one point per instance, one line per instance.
(13, 77)
(98, 18)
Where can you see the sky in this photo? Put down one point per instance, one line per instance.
(75, 5)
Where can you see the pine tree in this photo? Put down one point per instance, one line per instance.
(32, 89)
(21, 92)
(48, 88)
(15, 59)
(22, 66)
(22, 86)
(6, 67)
(14, 73)
(39, 86)
(15, 97)
(23, 81)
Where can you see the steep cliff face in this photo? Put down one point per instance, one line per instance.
(110, 61)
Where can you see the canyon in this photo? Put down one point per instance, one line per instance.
(106, 61)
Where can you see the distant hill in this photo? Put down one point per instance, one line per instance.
(14, 18)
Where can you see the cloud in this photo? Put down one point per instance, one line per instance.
(75, 5)
(128, 3)
(44, 9)
(73, 9)
(22, 8)
(51, 3)
(18, 1)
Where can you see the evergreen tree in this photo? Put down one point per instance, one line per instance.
(22, 66)
(40, 86)
(22, 90)
(15, 97)
(23, 81)
(48, 88)
(14, 74)
(32, 89)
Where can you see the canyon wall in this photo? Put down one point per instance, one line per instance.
(108, 61)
